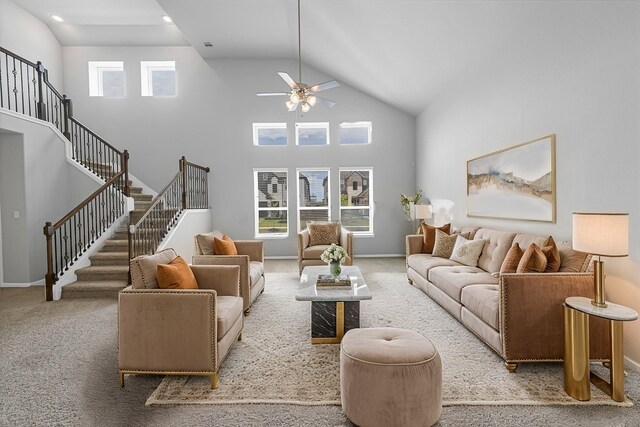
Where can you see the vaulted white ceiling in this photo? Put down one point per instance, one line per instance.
(400, 51)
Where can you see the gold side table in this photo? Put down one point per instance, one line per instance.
(577, 372)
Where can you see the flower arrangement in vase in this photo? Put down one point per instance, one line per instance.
(334, 255)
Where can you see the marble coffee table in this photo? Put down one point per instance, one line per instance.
(334, 309)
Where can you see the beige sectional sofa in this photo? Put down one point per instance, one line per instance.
(518, 315)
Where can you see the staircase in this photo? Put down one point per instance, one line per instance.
(109, 269)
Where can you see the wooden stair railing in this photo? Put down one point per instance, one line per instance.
(189, 189)
(74, 234)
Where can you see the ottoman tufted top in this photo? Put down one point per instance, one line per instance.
(387, 346)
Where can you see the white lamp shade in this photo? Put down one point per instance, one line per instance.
(605, 234)
(423, 211)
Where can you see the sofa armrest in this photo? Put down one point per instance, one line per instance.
(224, 279)
(167, 330)
(531, 315)
(346, 241)
(413, 244)
(303, 242)
(241, 261)
(253, 248)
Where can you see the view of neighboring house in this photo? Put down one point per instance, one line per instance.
(355, 186)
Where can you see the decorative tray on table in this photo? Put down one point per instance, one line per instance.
(329, 280)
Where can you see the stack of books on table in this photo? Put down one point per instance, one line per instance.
(329, 280)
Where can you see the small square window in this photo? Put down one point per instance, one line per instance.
(158, 78)
(269, 134)
(106, 78)
(312, 133)
(355, 133)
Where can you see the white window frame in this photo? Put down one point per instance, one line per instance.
(96, 68)
(313, 208)
(371, 202)
(258, 126)
(146, 76)
(312, 125)
(257, 208)
(364, 124)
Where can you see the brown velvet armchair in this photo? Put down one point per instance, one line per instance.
(178, 332)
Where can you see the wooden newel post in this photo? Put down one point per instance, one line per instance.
(50, 277)
(68, 113)
(185, 182)
(125, 169)
(42, 107)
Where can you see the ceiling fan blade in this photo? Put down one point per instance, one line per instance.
(325, 101)
(287, 78)
(324, 86)
(273, 94)
(293, 106)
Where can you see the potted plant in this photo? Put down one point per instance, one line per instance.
(334, 255)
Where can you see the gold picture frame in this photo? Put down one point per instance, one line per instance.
(517, 182)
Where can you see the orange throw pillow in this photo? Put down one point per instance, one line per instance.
(551, 252)
(429, 233)
(532, 261)
(176, 275)
(512, 259)
(224, 246)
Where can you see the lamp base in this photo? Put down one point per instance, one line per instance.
(599, 304)
(598, 284)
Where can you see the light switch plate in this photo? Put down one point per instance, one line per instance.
(16, 214)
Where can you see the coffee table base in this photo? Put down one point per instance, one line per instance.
(331, 319)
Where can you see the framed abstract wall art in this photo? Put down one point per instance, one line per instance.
(517, 182)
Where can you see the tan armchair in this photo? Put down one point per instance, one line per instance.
(250, 259)
(310, 255)
(178, 332)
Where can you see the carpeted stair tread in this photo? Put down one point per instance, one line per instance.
(140, 197)
(109, 258)
(135, 190)
(94, 289)
(103, 272)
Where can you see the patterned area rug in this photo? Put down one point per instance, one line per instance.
(276, 363)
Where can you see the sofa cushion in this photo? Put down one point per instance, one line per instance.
(256, 270)
(176, 275)
(224, 246)
(466, 251)
(532, 261)
(422, 263)
(205, 241)
(429, 236)
(496, 248)
(144, 268)
(572, 261)
(323, 233)
(482, 300)
(443, 247)
(471, 231)
(525, 240)
(227, 309)
(314, 252)
(511, 261)
(452, 280)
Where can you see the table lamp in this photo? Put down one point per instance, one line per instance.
(422, 212)
(601, 234)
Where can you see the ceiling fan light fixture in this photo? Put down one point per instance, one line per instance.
(290, 104)
(311, 100)
(305, 107)
(295, 97)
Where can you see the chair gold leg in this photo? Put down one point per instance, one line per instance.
(511, 367)
(240, 336)
(214, 381)
(121, 379)
(247, 311)
(410, 281)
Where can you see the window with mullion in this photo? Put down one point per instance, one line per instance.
(314, 199)
(356, 200)
(271, 205)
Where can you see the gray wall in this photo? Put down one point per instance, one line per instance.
(210, 121)
(572, 74)
(39, 182)
(27, 36)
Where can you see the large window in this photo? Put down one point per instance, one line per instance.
(106, 78)
(270, 186)
(158, 78)
(355, 133)
(313, 196)
(269, 134)
(356, 200)
(312, 133)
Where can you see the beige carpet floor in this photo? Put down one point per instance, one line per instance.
(276, 363)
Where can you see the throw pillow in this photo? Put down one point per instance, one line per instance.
(532, 261)
(467, 251)
(323, 233)
(512, 259)
(429, 236)
(551, 252)
(176, 275)
(205, 242)
(225, 246)
(443, 247)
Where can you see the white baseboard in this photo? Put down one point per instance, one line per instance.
(22, 285)
(632, 363)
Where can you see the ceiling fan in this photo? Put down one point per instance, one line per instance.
(301, 93)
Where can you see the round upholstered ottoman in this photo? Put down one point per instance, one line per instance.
(390, 377)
